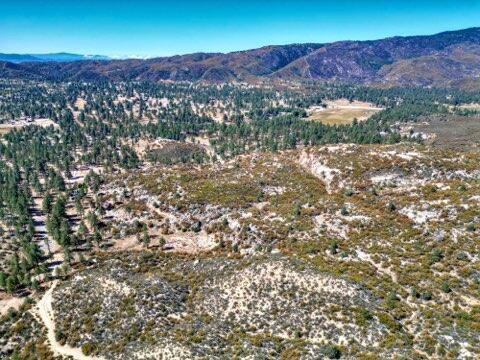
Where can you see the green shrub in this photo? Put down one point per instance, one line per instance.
(332, 352)
(89, 348)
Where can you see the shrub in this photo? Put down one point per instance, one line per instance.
(333, 247)
(332, 352)
(89, 348)
(426, 295)
(470, 227)
(446, 287)
(349, 192)
(391, 207)
(436, 255)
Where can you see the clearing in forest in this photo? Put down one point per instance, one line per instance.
(342, 112)
(18, 124)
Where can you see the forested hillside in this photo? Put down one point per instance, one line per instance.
(449, 59)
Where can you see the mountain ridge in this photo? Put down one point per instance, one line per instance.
(452, 57)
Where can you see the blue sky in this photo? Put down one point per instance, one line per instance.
(158, 28)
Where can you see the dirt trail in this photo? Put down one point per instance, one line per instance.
(45, 311)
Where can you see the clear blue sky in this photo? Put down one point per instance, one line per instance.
(158, 28)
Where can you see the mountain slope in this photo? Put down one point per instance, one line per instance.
(445, 59)
(365, 61)
(242, 65)
(452, 66)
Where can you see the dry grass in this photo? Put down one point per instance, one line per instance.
(342, 112)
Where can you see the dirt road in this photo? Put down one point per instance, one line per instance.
(45, 311)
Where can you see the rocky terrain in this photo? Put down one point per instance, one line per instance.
(145, 220)
(169, 307)
(345, 251)
(445, 59)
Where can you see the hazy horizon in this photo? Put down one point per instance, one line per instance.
(133, 56)
(150, 29)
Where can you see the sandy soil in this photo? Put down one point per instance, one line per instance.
(319, 169)
(80, 103)
(9, 302)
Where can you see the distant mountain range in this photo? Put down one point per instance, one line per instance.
(445, 59)
(58, 57)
